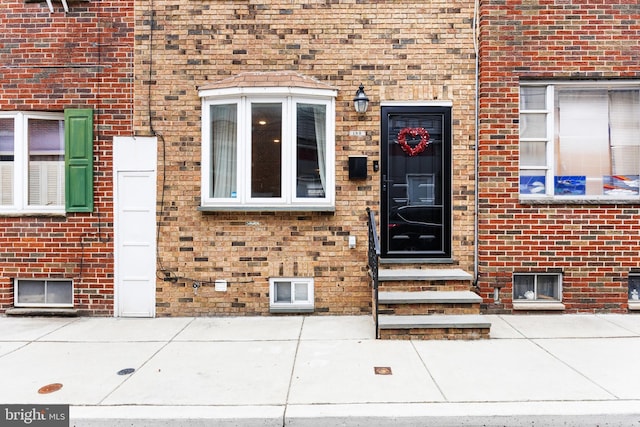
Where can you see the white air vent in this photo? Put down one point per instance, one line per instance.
(291, 295)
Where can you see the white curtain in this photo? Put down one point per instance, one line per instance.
(320, 118)
(624, 119)
(583, 133)
(224, 150)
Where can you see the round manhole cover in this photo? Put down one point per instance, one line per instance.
(126, 371)
(50, 388)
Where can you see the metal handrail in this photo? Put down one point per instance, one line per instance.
(373, 255)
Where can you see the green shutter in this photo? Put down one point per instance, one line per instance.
(78, 150)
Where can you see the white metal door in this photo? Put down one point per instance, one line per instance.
(135, 225)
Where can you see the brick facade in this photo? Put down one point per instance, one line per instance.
(406, 51)
(595, 246)
(49, 62)
(409, 51)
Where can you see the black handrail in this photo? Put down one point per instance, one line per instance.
(372, 262)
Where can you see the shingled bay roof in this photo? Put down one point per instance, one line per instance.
(268, 79)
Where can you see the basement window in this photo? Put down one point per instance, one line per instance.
(291, 295)
(43, 293)
(537, 291)
(634, 291)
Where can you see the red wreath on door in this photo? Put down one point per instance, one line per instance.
(413, 133)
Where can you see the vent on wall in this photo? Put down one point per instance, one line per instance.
(291, 295)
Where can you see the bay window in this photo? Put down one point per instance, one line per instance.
(580, 140)
(271, 150)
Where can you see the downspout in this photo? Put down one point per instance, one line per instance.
(476, 222)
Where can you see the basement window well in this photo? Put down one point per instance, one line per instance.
(43, 293)
(291, 295)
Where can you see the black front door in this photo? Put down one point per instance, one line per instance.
(415, 219)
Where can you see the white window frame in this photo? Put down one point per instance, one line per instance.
(45, 282)
(21, 169)
(634, 300)
(551, 86)
(536, 303)
(292, 306)
(289, 97)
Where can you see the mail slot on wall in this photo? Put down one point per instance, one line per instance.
(357, 167)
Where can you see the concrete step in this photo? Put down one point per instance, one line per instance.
(385, 275)
(429, 297)
(433, 322)
(42, 312)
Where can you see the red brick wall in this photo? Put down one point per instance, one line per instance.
(400, 50)
(49, 62)
(595, 246)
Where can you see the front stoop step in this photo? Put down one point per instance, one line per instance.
(432, 322)
(429, 297)
(433, 327)
(386, 275)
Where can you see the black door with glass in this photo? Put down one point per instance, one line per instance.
(415, 219)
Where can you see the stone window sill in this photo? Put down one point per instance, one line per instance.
(538, 305)
(634, 305)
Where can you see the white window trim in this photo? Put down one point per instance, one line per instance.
(20, 173)
(549, 196)
(16, 303)
(294, 306)
(288, 96)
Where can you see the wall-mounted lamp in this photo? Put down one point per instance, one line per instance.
(361, 102)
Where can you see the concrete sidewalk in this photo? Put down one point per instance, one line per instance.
(570, 370)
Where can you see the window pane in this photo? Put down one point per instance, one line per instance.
(533, 125)
(283, 292)
(7, 137)
(582, 151)
(311, 150)
(533, 153)
(59, 292)
(301, 292)
(523, 286)
(46, 162)
(223, 150)
(30, 292)
(548, 287)
(634, 287)
(624, 117)
(533, 98)
(266, 151)
(533, 182)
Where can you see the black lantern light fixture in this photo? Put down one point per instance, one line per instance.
(361, 102)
